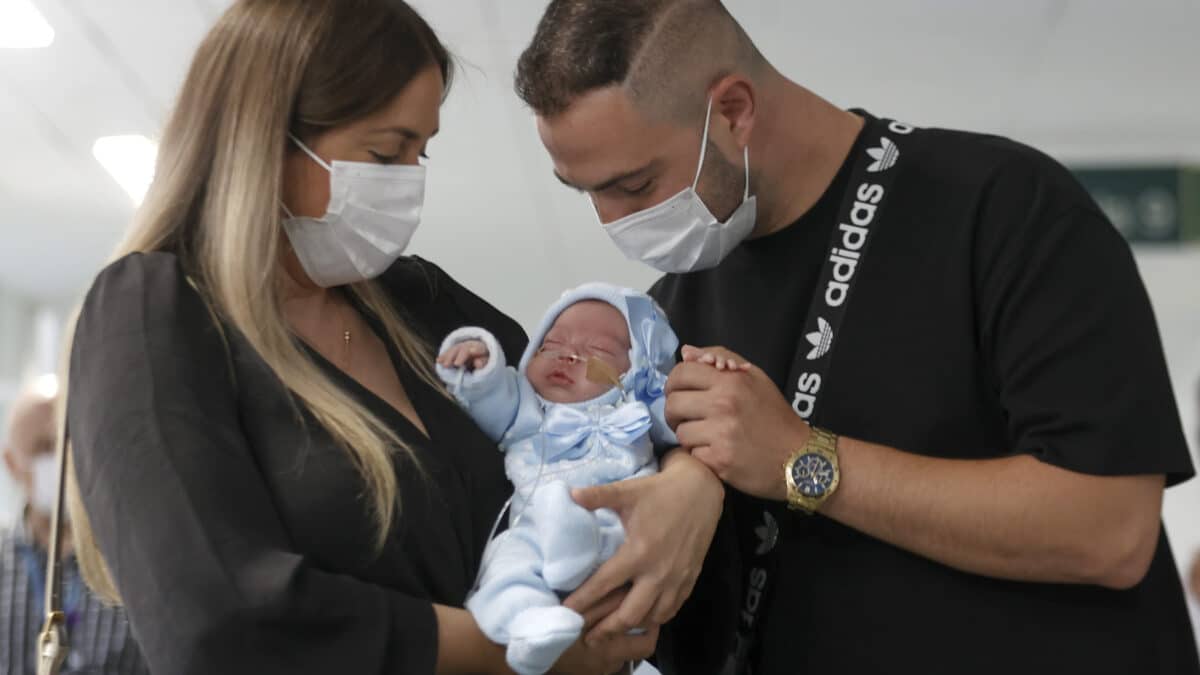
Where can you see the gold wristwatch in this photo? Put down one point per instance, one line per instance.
(812, 472)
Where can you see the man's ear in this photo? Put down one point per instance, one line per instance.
(735, 105)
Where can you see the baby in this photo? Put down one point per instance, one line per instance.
(584, 407)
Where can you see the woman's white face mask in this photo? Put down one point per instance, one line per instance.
(681, 234)
(372, 214)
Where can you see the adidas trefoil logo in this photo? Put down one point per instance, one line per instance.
(885, 156)
(768, 534)
(821, 339)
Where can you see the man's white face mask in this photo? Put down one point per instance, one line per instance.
(681, 234)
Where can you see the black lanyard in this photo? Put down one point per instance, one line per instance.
(870, 186)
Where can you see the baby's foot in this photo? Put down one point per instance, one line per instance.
(538, 636)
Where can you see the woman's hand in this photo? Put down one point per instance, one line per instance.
(606, 657)
(469, 354)
(669, 520)
(463, 648)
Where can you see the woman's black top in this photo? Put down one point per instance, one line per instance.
(237, 531)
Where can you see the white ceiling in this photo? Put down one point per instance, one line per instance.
(1087, 80)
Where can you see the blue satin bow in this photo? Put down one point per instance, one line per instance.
(659, 351)
(569, 432)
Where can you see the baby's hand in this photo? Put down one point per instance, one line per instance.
(718, 357)
(470, 354)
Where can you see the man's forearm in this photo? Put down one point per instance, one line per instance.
(1013, 518)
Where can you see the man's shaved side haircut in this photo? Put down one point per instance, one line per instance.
(665, 53)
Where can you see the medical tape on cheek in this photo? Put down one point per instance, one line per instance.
(600, 372)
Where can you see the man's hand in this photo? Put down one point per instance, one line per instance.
(669, 519)
(735, 421)
(469, 354)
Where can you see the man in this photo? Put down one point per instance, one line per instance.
(99, 636)
(991, 422)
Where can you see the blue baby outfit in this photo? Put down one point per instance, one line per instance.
(552, 544)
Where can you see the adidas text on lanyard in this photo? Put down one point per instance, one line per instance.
(859, 216)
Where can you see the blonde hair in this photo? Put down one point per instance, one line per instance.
(269, 68)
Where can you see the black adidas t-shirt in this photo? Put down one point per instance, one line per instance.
(997, 312)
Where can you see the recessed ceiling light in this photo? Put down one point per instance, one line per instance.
(22, 26)
(130, 161)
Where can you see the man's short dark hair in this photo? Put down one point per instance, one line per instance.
(657, 48)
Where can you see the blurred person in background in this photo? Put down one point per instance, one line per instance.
(99, 635)
(267, 472)
(1193, 582)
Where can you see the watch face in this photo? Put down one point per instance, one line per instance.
(812, 474)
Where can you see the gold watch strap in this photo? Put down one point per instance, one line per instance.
(820, 441)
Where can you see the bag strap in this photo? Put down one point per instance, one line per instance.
(52, 644)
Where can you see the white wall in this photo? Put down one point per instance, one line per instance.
(1172, 276)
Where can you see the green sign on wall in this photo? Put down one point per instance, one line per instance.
(1148, 204)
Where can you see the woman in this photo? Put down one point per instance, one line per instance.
(269, 476)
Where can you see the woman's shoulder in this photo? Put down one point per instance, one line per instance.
(136, 270)
(429, 294)
(140, 292)
(143, 334)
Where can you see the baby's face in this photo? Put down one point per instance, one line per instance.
(589, 329)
